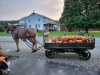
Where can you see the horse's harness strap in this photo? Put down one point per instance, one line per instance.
(24, 39)
(13, 29)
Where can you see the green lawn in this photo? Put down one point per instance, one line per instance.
(58, 33)
(62, 33)
(96, 34)
(4, 34)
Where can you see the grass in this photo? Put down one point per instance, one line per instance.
(58, 33)
(4, 34)
(96, 34)
(62, 33)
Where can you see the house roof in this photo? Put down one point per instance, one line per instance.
(23, 18)
(36, 14)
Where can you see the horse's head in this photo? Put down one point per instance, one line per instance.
(9, 27)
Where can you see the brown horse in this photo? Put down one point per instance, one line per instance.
(22, 33)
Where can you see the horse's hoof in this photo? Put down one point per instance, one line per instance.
(17, 51)
(34, 51)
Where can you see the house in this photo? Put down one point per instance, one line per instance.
(39, 22)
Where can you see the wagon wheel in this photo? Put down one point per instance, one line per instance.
(49, 53)
(85, 55)
(1, 72)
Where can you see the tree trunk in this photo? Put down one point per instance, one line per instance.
(69, 29)
(86, 30)
(79, 29)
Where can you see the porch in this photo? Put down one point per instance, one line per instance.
(49, 27)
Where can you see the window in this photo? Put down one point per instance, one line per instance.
(29, 25)
(29, 20)
(25, 26)
(44, 20)
(38, 19)
(35, 25)
(38, 25)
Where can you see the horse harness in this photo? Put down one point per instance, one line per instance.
(24, 39)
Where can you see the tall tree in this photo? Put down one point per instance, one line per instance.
(81, 13)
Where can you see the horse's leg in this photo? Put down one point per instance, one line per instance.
(33, 43)
(17, 42)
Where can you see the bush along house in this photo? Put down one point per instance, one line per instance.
(39, 22)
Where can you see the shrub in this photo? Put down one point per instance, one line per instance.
(81, 33)
(1, 28)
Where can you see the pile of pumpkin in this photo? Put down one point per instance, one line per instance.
(67, 39)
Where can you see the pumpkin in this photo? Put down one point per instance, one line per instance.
(79, 37)
(65, 38)
(58, 41)
(2, 59)
(72, 41)
(85, 39)
(75, 38)
(71, 38)
(79, 41)
(1, 53)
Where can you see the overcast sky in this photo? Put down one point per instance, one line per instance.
(16, 9)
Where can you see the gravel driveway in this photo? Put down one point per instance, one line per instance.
(9, 46)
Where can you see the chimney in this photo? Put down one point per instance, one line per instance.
(33, 12)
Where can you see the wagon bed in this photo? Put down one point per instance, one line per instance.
(90, 45)
(80, 48)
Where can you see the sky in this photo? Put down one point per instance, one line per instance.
(16, 9)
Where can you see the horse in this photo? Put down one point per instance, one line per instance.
(22, 33)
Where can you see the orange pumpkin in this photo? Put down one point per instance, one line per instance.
(72, 41)
(75, 38)
(85, 39)
(71, 38)
(1, 53)
(58, 41)
(79, 37)
(2, 59)
(65, 38)
(79, 41)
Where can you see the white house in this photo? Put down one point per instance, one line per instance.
(38, 21)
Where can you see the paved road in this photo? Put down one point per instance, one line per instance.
(44, 67)
(9, 46)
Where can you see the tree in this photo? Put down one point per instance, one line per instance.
(3, 23)
(70, 10)
(81, 14)
(1, 28)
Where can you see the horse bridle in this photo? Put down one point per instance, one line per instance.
(13, 29)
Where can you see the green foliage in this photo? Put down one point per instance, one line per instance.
(1, 28)
(3, 23)
(4, 34)
(81, 14)
(81, 33)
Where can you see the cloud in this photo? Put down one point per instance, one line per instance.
(11, 9)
